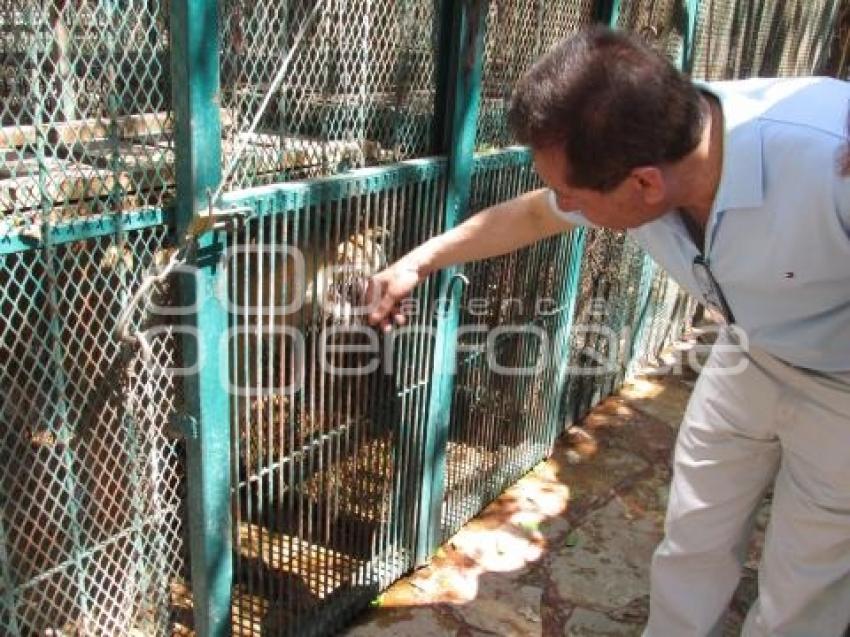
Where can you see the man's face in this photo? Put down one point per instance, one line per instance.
(632, 203)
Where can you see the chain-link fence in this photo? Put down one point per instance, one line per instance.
(737, 39)
(661, 23)
(519, 32)
(91, 478)
(359, 89)
(85, 108)
(91, 481)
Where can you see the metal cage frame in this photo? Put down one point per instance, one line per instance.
(135, 499)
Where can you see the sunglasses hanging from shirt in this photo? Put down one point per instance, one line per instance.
(711, 292)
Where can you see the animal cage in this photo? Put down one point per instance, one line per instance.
(744, 39)
(517, 33)
(325, 466)
(198, 432)
(92, 481)
(503, 424)
(360, 91)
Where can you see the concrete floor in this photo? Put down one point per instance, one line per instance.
(566, 551)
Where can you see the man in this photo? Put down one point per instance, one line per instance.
(737, 190)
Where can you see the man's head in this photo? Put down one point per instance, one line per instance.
(606, 117)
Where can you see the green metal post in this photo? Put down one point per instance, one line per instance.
(689, 44)
(648, 267)
(562, 353)
(644, 295)
(462, 50)
(195, 86)
(607, 12)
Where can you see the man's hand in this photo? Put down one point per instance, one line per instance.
(387, 289)
(501, 229)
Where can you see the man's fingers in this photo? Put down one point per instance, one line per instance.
(384, 307)
(386, 318)
(373, 293)
(384, 293)
(374, 297)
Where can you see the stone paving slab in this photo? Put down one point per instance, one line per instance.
(566, 550)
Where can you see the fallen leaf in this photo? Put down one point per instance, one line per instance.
(573, 539)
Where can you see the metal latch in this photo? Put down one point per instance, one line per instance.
(219, 219)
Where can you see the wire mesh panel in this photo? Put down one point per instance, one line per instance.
(837, 61)
(661, 23)
(664, 315)
(718, 40)
(737, 39)
(91, 531)
(628, 310)
(510, 343)
(359, 89)
(606, 307)
(517, 34)
(84, 103)
(328, 415)
(519, 324)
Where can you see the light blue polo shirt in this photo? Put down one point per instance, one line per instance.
(778, 236)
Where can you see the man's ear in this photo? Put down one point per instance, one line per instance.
(650, 183)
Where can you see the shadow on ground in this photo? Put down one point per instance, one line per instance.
(566, 550)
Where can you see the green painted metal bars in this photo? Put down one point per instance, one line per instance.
(504, 422)
(464, 38)
(194, 41)
(327, 467)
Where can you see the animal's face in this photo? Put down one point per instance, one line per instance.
(341, 286)
(363, 250)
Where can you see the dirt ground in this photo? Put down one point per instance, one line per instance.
(565, 551)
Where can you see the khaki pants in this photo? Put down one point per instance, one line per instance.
(771, 424)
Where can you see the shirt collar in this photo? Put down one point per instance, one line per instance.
(741, 177)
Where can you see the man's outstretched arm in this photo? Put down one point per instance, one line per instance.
(498, 230)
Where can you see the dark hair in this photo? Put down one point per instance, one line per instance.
(611, 102)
